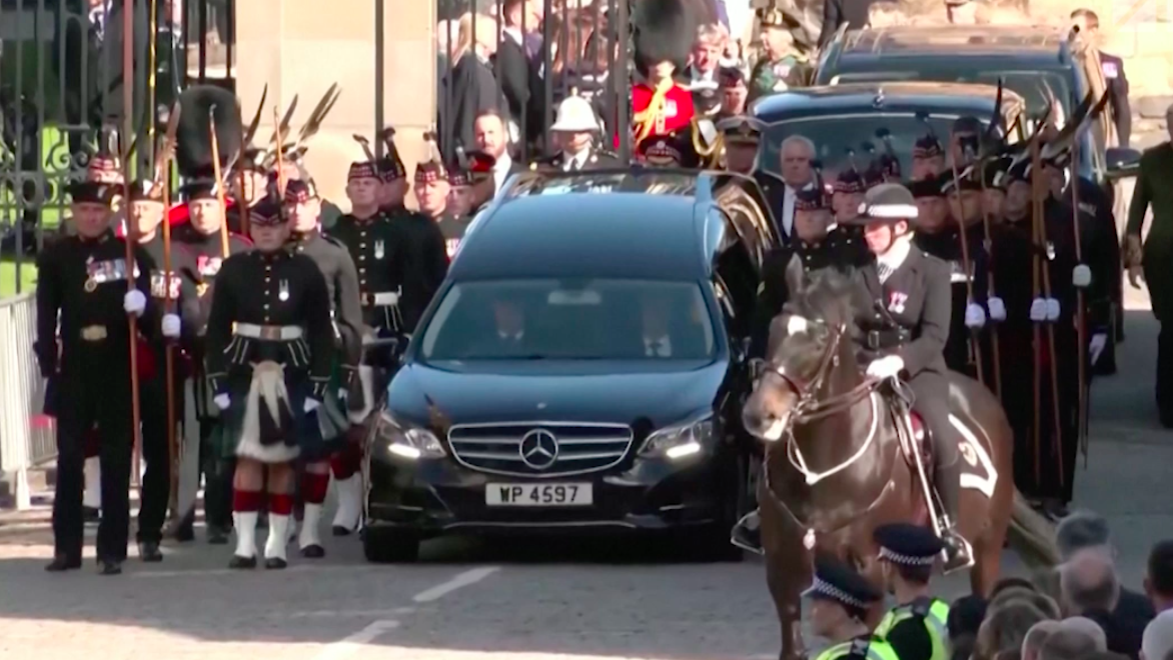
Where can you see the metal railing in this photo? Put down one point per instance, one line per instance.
(27, 438)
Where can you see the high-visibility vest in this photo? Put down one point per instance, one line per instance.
(860, 648)
(934, 613)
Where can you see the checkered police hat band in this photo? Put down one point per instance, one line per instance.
(831, 591)
(906, 560)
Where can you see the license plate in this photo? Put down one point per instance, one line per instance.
(539, 494)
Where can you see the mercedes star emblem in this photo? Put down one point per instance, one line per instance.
(539, 449)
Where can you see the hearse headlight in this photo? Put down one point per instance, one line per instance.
(405, 441)
(681, 441)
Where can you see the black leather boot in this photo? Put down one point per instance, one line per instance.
(958, 552)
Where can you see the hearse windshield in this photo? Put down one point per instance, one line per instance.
(833, 135)
(550, 319)
(1032, 86)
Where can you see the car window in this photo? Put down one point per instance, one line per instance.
(1030, 85)
(833, 135)
(590, 319)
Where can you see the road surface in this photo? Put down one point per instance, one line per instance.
(519, 600)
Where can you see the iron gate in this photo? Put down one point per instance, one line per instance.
(61, 85)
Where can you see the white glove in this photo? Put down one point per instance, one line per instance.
(343, 394)
(311, 405)
(1052, 309)
(134, 302)
(171, 326)
(1081, 276)
(997, 308)
(975, 316)
(1038, 310)
(1096, 346)
(886, 367)
(221, 401)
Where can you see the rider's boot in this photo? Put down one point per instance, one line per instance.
(958, 552)
(747, 533)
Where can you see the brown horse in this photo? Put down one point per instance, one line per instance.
(838, 461)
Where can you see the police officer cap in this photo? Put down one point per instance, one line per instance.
(837, 581)
(886, 202)
(907, 544)
(92, 192)
(741, 129)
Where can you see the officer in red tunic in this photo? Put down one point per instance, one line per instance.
(664, 33)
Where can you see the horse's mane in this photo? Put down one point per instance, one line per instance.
(829, 295)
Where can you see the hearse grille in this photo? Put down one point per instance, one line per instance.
(540, 449)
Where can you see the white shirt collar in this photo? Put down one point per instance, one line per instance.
(896, 255)
(515, 34)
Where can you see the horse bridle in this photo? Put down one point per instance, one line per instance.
(809, 407)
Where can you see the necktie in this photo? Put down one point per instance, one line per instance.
(883, 270)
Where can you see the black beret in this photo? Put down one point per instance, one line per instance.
(93, 192)
(200, 189)
(907, 544)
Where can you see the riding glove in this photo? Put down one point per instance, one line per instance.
(134, 302)
(975, 316)
(1096, 346)
(1081, 276)
(886, 367)
(997, 308)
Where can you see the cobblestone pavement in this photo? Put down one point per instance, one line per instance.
(519, 600)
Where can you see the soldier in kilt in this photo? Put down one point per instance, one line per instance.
(302, 204)
(270, 346)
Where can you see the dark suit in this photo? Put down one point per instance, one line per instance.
(1113, 68)
(522, 87)
(838, 12)
(469, 89)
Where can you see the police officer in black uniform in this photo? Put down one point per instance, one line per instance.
(175, 295)
(576, 133)
(916, 627)
(202, 238)
(83, 278)
(906, 331)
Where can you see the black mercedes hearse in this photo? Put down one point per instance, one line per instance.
(581, 369)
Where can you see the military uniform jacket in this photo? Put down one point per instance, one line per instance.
(774, 190)
(179, 288)
(596, 159)
(453, 230)
(208, 252)
(426, 266)
(916, 302)
(770, 77)
(840, 250)
(379, 251)
(342, 288)
(277, 289)
(85, 282)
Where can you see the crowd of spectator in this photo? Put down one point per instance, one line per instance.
(1076, 611)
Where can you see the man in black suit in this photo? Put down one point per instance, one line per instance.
(837, 12)
(1087, 24)
(491, 132)
(520, 79)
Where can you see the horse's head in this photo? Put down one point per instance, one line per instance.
(808, 342)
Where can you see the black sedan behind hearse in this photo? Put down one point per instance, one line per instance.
(581, 369)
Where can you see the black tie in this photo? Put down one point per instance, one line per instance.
(883, 271)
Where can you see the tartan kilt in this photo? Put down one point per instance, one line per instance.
(332, 420)
(226, 438)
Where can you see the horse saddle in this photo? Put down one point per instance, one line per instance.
(915, 435)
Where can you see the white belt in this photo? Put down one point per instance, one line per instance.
(269, 332)
(384, 299)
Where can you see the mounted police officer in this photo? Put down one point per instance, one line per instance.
(840, 599)
(82, 292)
(906, 331)
(916, 627)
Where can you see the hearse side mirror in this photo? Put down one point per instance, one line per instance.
(1122, 162)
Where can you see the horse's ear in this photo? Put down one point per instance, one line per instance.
(795, 276)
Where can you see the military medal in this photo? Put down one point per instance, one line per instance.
(379, 249)
(283, 294)
(91, 285)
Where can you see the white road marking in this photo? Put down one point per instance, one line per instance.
(369, 614)
(461, 581)
(352, 644)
